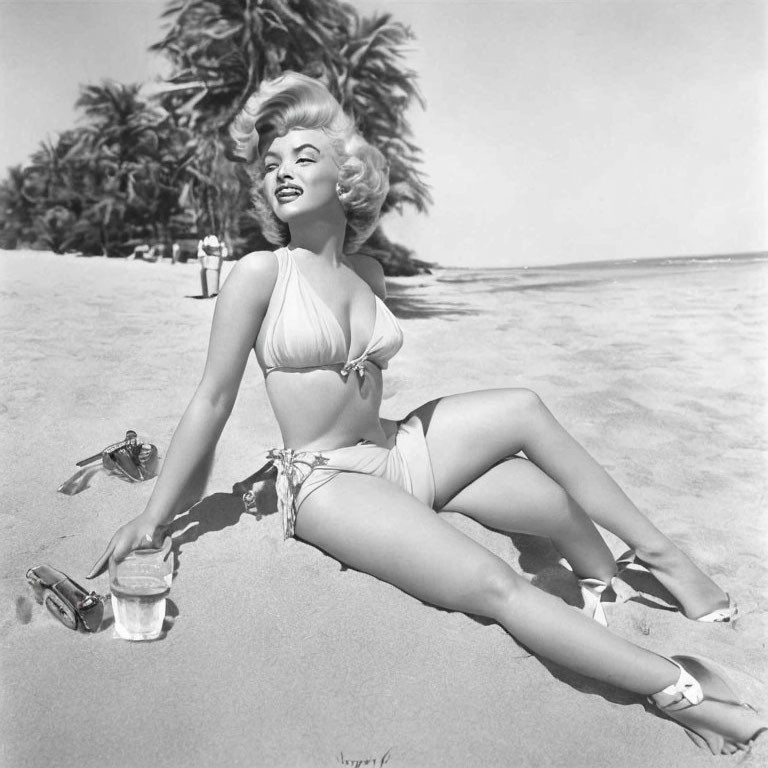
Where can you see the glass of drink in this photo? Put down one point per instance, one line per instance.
(139, 585)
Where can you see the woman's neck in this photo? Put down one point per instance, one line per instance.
(324, 238)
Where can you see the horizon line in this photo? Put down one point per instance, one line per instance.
(737, 256)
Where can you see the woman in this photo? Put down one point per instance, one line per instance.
(364, 489)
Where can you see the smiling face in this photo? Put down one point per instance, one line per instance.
(300, 175)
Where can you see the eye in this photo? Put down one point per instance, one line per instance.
(305, 159)
(269, 167)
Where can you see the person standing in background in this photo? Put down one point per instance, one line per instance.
(210, 253)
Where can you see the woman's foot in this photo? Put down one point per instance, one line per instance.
(699, 597)
(704, 703)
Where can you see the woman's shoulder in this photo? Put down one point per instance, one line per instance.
(254, 275)
(258, 262)
(369, 269)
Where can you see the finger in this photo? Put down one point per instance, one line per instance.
(161, 536)
(101, 562)
(122, 550)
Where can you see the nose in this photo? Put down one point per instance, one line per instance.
(284, 171)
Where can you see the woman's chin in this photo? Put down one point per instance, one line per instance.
(289, 213)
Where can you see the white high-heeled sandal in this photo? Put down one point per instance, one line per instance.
(684, 693)
(629, 562)
(592, 594)
(688, 692)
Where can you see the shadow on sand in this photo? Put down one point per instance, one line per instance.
(213, 513)
(222, 510)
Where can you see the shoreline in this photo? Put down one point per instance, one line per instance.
(650, 261)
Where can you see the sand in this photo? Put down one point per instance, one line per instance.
(274, 654)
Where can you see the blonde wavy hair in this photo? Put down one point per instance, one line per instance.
(293, 101)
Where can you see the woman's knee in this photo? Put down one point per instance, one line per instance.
(520, 401)
(495, 586)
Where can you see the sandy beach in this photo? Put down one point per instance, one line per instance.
(276, 656)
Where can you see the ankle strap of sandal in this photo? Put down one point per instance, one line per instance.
(686, 692)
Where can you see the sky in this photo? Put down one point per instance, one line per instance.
(554, 132)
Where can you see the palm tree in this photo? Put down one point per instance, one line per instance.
(117, 116)
(374, 87)
(135, 154)
(222, 49)
(52, 185)
(220, 52)
(377, 90)
(151, 165)
(16, 210)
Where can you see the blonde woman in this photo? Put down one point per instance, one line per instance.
(365, 489)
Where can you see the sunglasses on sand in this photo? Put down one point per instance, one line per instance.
(128, 459)
(66, 600)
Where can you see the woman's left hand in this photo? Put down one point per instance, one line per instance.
(138, 533)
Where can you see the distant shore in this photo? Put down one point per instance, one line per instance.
(748, 256)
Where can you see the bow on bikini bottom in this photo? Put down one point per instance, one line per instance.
(300, 473)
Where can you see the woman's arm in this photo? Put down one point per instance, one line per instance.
(240, 309)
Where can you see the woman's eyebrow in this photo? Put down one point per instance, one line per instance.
(300, 148)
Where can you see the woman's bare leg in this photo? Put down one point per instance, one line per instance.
(517, 497)
(371, 525)
(467, 434)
